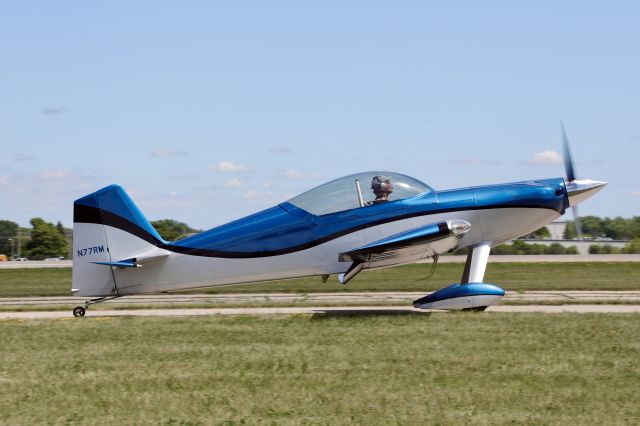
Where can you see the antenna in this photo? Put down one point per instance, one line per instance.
(360, 200)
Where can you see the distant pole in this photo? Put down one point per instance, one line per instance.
(11, 242)
(19, 242)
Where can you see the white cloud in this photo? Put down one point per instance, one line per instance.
(546, 158)
(294, 174)
(229, 167)
(168, 153)
(280, 150)
(48, 194)
(636, 194)
(234, 183)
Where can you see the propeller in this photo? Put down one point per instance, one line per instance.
(571, 176)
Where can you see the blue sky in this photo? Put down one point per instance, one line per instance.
(207, 111)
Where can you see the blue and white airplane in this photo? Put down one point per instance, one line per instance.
(362, 221)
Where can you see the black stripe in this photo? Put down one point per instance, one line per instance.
(467, 267)
(421, 300)
(86, 214)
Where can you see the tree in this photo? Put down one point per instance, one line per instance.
(555, 248)
(633, 247)
(571, 250)
(46, 241)
(570, 231)
(61, 229)
(538, 234)
(618, 228)
(172, 230)
(592, 226)
(8, 230)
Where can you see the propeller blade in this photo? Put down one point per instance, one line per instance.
(576, 222)
(568, 161)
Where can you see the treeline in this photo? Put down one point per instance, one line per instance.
(46, 240)
(520, 247)
(43, 240)
(617, 228)
(172, 230)
(632, 247)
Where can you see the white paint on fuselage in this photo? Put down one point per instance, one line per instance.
(180, 271)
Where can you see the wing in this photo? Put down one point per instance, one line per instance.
(406, 247)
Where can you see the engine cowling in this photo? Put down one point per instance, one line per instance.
(462, 296)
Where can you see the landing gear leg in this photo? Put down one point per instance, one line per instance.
(476, 264)
(79, 311)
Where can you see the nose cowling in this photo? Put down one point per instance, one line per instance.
(579, 190)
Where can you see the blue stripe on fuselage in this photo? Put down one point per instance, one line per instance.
(285, 228)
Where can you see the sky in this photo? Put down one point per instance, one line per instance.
(208, 111)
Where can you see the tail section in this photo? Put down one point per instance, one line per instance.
(109, 232)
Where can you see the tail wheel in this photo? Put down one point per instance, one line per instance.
(78, 311)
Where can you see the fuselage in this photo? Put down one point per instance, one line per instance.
(288, 242)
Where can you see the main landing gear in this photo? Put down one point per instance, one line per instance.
(79, 311)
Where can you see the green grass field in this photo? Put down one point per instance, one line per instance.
(510, 276)
(403, 369)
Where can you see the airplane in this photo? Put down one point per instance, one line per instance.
(337, 228)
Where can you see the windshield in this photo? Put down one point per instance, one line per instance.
(343, 193)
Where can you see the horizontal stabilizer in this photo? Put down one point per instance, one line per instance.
(128, 263)
(138, 261)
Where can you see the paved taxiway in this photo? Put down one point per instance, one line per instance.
(531, 301)
(529, 297)
(361, 310)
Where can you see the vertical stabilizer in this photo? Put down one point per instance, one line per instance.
(107, 227)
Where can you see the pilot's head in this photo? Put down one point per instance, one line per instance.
(382, 187)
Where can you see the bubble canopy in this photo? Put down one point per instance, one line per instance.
(343, 193)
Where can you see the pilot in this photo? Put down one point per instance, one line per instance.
(382, 187)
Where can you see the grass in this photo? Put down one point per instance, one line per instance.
(35, 282)
(366, 369)
(510, 276)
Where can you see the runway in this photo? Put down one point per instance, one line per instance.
(316, 303)
(529, 297)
